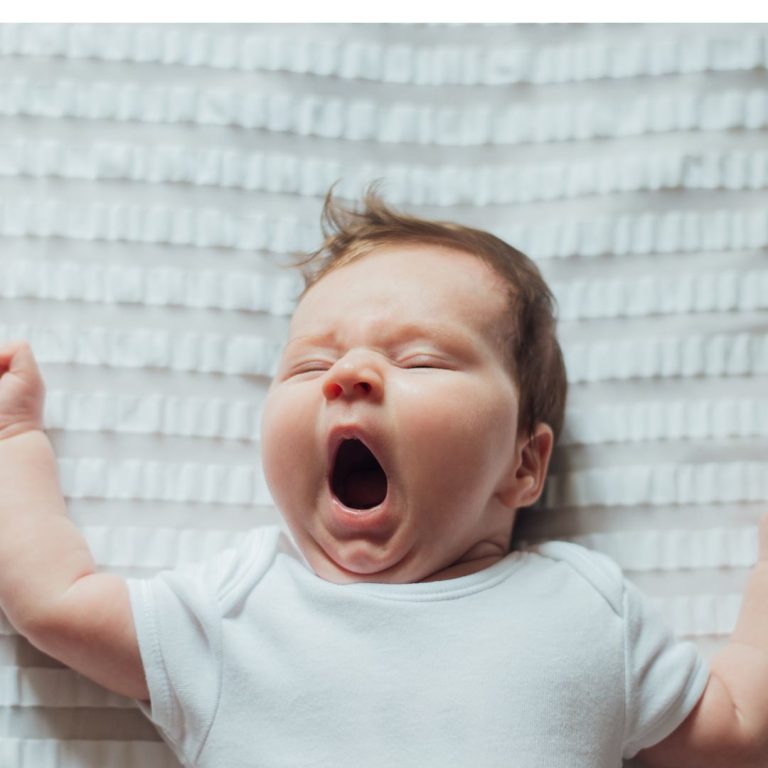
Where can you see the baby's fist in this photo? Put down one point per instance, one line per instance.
(22, 391)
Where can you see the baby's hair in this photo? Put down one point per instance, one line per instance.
(529, 340)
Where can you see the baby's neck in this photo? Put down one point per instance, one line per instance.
(463, 569)
(480, 557)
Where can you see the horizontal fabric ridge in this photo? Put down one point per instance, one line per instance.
(718, 354)
(660, 484)
(158, 414)
(641, 296)
(157, 547)
(39, 687)
(402, 122)
(659, 420)
(674, 550)
(625, 234)
(712, 50)
(152, 286)
(193, 482)
(444, 185)
(71, 753)
(233, 354)
(201, 228)
(700, 615)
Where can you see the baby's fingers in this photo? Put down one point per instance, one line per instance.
(22, 391)
(7, 351)
(16, 357)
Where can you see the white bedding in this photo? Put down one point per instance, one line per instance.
(154, 179)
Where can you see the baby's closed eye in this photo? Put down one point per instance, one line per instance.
(314, 366)
(424, 361)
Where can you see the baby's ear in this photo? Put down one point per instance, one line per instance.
(526, 481)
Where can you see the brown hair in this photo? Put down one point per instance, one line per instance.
(529, 341)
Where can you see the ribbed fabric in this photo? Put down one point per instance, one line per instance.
(402, 122)
(450, 183)
(700, 615)
(154, 414)
(71, 753)
(662, 484)
(96, 478)
(27, 687)
(666, 421)
(156, 179)
(670, 550)
(204, 228)
(151, 286)
(151, 348)
(671, 51)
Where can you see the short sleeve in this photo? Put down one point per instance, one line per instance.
(178, 617)
(665, 677)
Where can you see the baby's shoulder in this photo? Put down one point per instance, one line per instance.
(236, 569)
(595, 570)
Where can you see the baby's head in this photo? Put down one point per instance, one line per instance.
(417, 400)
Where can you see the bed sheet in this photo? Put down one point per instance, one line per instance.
(155, 180)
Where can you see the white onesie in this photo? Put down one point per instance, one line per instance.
(547, 659)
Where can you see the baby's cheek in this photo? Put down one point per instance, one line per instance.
(466, 437)
(293, 467)
(279, 440)
(445, 442)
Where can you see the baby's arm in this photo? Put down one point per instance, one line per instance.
(729, 727)
(49, 589)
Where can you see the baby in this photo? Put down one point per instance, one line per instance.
(413, 412)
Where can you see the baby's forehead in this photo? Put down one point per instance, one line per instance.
(426, 262)
(421, 268)
(407, 287)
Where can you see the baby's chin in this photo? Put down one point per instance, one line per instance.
(349, 562)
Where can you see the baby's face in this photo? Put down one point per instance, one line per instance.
(389, 434)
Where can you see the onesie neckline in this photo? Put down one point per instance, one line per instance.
(445, 589)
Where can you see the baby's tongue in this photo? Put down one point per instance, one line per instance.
(365, 488)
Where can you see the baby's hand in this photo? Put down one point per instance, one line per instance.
(22, 391)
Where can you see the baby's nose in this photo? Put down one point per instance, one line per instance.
(353, 377)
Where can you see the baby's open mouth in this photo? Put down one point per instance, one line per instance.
(358, 479)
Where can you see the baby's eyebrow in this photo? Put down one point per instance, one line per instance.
(326, 339)
(450, 336)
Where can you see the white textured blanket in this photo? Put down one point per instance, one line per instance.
(154, 178)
